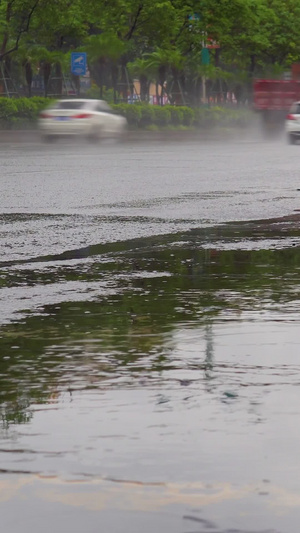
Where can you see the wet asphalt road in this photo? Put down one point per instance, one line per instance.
(149, 351)
(62, 197)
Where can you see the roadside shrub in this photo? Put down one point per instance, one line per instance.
(23, 113)
(21, 110)
(176, 115)
(201, 117)
(147, 115)
(8, 108)
(119, 109)
(26, 108)
(219, 116)
(39, 101)
(131, 112)
(241, 117)
(17, 123)
(152, 127)
(188, 116)
(162, 116)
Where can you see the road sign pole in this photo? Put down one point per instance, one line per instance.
(204, 89)
(204, 61)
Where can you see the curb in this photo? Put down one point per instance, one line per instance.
(34, 136)
(19, 136)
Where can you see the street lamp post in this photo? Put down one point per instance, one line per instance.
(204, 61)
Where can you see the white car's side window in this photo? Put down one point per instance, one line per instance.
(102, 107)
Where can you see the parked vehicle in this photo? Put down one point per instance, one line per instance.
(292, 123)
(275, 95)
(273, 99)
(93, 119)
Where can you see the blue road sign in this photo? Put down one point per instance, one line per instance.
(78, 63)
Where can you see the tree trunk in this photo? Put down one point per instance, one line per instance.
(238, 92)
(157, 92)
(162, 78)
(46, 76)
(7, 66)
(175, 92)
(177, 89)
(224, 90)
(28, 76)
(76, 81)
(250, 84)
(125, 88)
(58, 80)
(217, 57)
(114, 80)
(101, 63)
(162, 95)
(144, 87)
(2, 85)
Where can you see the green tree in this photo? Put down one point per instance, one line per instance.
(176, 64)
(142, 69)
(104, 52)
(158, 62)
(16, 18)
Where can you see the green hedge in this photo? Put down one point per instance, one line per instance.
(151, 117)
(17, 112)
(23, 112)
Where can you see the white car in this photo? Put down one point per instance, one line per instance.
(292, 123)
(93, 119)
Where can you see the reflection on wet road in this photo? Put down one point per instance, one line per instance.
(149, 375)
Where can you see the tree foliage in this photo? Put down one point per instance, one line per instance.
(160, 39)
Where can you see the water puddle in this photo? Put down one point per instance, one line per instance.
(153, 384)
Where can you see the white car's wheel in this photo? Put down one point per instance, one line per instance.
(48, 138)
(120, 136)
(95, 135)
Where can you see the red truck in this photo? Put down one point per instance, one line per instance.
(275, 95)
(273, 99)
